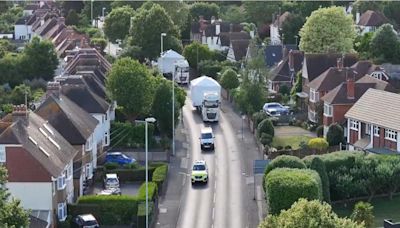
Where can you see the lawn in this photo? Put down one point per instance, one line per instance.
(292, 141)
(383, 209)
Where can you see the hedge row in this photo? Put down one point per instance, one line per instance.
(152, 187)
(285, 186)
(159, 175)
(132, 175)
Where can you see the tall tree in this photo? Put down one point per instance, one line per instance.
(328, 30)
(40, 53)
(177, 10)
(11, 212)
(308, 214)
(195, 53)
(291, 27)
(384, 43)
(234, 14)
(72, 18)
(118, 22)
(260, 12)
(207, 10)
(362, 44)
(147, 27)
(11, 69)
(129, 83)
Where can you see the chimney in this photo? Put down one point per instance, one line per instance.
(41, 21)
(61, 20)
(339, 63)
(350, 84)
(53, 88)
(357, 17)
(291, 60)
(20, 112)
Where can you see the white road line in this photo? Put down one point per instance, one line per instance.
(184, 163)
(215, 185)
(214, 197)
(213, 213)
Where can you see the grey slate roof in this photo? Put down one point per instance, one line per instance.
(274, 53)
(378, 107)
(85, 98)
(75, 124)
(59, 154)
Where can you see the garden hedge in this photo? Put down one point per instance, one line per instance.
(104, 208)
(153, 191)
(159, 175)
(340, 158)
(132, 175)
(318, 144)
(318, 165)
(266, 127)
(284, 186)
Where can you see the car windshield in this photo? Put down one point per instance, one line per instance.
(274, 106)
(112, 180)
(206, 136)
(90, 223)
(211, 104)
(199, 167)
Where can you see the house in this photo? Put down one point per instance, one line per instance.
(237, 50)
(39, 163)
(275, 53)
(339, 100)
(23, 27)
(276, 27)
(370, 20)
(373, 123)
(87, 78)
(77, 127)
(285, 72)
(364, 67)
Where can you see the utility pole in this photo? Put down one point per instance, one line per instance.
(91, 12)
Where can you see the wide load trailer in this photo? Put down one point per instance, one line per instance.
(205, 94)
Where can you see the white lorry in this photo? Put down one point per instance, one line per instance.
(181, 72)
(205, 93)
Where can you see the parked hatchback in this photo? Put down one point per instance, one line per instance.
(119, 158)
(111, 181)
(85, 221)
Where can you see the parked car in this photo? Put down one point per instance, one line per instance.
(111, 181)
(110, 191)
(119, 158)
(85, 221)
(275, 109)
(207, 139)
(199, 172)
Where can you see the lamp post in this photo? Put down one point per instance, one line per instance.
(296, 37)
(146, 122)
(104, 8)
(243, 118)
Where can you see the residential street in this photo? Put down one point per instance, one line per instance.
(227, 199)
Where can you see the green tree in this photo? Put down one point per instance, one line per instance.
(319, 166)
(260, 12)
(117, 23)
(133, 4)
(383, 43)
(308, 214)
(196, 52)
(328, 30)
(40, 53)
(361, 6)
(162, 108)
(72, 18)
(17, 96)
(363, 214)
(362, 44)
(177, 10)
(234, 14)
(251, 97)
(229, 79)
(207, 10)
(391, 12)
(130, 84)
(318, 144)
(99, 43)
(8, 19)
(156, 21)
(11, 212)
(6, 46)
(291, 27)
(266, 127)
(11, 69)
(297, 87)
(335, 135)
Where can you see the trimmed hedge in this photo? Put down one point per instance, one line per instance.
(104, 208)
(141, 215)
(132, 175)
(284, 186)
(340, 158)
(318, 165)
(141, 196)
(159, 175)
(266, 127)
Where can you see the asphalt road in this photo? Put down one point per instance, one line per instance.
(221, 202)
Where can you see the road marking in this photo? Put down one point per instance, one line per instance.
(184, 162)
(163, 210)
(213, 213)
(183, 180)
(214, 197)
(215, 185)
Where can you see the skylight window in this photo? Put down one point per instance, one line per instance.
(44, 151)
(55, 143)
(43, 132)
(32, 140)
(48, 129)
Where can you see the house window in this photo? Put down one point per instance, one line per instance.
(314, 96)
(2, 153)
(376, 131)
(62, 211)
(312, 116)
(354, 125)
(368, 129)
(88, 145)
(390, 135)
(328, 110)
(61, 182)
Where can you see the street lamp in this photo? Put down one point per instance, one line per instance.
(147, 121)
(296, 37)
(104, 8)
(243, 118)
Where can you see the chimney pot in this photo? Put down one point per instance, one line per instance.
(20, 112)
(53, 88)
(339, 63)
(350, 84)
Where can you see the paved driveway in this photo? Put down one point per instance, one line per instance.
(292, 131)
(126, 188)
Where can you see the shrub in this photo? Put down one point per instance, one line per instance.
(111, 166)
(258, 117)
(284, 90)
(132, 175)
(318, 144)
(266, 127)
(320, 131)
(159, 175)
(363, 212)
(107, 206)
(266, 139)
(285, 186)
(141, 214)
(229, 79)
(288, 147)
(335, 135)
(279, 147)
(152, 187)
(318, 165)
(335, 160)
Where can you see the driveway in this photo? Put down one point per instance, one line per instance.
(126, 188)
(282, 131)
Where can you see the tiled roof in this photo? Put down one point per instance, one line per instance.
(42, 141)
(227, 37)
(364, 67)
(377, 107)
(75, 124)
(85, 98)
(331, 78)
(282, 72)
(240, 48)
(372, 18)
(86, 78)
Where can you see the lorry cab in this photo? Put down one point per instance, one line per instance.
(210, 107)
(181, 72)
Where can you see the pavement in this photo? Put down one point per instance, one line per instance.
(228, 198)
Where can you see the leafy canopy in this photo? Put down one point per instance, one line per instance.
(117, 23)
